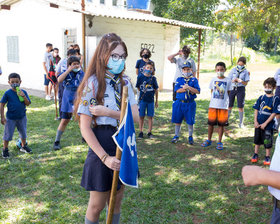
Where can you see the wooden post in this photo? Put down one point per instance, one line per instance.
(84, 34)
(118, 156)
(198, 55)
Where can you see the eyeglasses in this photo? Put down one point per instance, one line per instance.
(117, 57)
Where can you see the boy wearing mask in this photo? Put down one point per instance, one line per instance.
(218, 108)
(186, 88)
(266, 108)
(17, 100)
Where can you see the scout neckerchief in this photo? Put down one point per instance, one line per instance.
(115, 84)
(239, 72)
(187, 79)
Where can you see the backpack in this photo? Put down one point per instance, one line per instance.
(51, 75)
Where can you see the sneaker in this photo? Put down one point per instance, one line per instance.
(266, 161)
(48, 97)
(241, 125)
(150, 135)
(5, 154)
(255, 158)
(25, 149)
(141, 135)
(56, 146)
(190, 140)
(175, 139)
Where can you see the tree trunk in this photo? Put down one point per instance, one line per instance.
(241, 48)
(275, 44)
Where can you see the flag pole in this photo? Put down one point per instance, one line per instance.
(118, 156)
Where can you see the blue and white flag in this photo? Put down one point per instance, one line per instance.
(126, 141)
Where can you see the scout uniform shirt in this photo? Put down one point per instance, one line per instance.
(89, 99)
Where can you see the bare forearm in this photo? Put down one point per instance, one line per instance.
(170, 57)
(256, 116)
(271, 117)
(45, 68)
(62, 76)
(2, 109)
(270, 178)
(156, 93)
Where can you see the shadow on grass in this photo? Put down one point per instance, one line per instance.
(179, 183)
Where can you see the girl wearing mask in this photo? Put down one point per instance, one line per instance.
(240, 77)
(98, 107)
(145, 55)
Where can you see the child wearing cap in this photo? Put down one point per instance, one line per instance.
(186, 88)
(218, 109)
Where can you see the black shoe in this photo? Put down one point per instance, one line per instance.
(5, 153)
(150, 135)
(141, 135)
(56, 146)
(25, 149)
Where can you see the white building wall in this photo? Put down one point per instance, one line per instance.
(172, 45)
(35, 23)
(136, 34)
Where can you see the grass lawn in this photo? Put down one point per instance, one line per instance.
(179, 183)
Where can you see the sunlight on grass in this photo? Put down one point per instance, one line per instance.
(40, 109)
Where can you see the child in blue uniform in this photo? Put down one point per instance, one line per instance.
(186, 88)
(266, 108)
(98, 105)
(16, 114)
(148, 87)
(71, 80)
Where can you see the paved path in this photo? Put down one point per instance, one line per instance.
(32, 92)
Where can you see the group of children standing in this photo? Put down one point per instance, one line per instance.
(186, 87)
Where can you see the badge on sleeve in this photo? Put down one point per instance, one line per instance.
(92, 102)
(85, 103)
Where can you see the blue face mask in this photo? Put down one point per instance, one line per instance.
(148, 72)
(76, 70)
(240, 67)
(115, 67)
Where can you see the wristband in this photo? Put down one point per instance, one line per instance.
(104, 157)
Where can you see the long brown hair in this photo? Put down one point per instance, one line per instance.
(98, 67)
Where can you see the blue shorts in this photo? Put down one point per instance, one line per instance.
(275, 218)
(10, 128)
(146, 105)
(181, 110)
(65, 115)
(46, 80)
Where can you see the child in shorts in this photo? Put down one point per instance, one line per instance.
(218, 108)
(148, 87)
(16, 100)
(186, 88)
(266, 108)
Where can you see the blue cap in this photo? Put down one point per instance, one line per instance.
(186, 64)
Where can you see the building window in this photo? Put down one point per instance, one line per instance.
(114, 2)
(12, 49)
(102, 1)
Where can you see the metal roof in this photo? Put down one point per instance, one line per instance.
(123, 13)
(116, 12)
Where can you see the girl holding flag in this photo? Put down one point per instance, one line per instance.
(98, 106)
